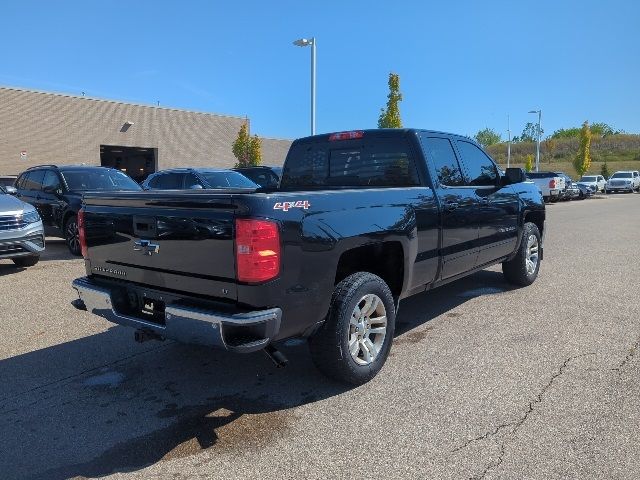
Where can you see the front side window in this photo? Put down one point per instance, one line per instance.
(33, 180)
(482, 171)
(440, 152)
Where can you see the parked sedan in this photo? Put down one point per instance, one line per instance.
(7, 181)
(597, 182)
(21, 231)
(571, 190)
(623, 181)
(196, 178)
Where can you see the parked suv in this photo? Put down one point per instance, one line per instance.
(625, 181)
(266, 177)
(21, 232)
(56, 193)
(596, 182)
(196, 179)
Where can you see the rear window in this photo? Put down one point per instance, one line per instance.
(376, 163)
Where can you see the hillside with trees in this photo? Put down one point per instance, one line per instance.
(558, 151)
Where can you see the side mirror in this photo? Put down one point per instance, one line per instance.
(11, 190)
(514, 175)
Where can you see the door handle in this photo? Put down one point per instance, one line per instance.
(484, 201)
(452, 205)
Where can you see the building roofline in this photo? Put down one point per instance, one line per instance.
(118, 102)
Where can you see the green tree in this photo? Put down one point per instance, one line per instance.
(566, 133)
(487, 137)
(601, 129)
(582, 161)
(247, 149)
(390, 117)
(604, 170)
(528, 164)
(530, 132)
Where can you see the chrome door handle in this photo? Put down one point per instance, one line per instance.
(452, 205)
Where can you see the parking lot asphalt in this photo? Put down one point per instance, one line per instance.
(484, 381)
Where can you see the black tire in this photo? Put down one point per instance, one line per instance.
(71, 235)
(329, 346)
(26, 261)
(515, 270)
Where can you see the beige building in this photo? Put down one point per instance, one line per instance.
(48, 128)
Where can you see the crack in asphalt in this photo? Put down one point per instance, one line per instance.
(9, 398)
(627, 359)
(516, 424)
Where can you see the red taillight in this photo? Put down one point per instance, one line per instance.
(552, 183)
(346, 135)
(81, 234)
(257, 250)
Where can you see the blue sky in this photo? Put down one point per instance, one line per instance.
(463, 65)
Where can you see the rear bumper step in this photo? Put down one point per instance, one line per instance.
(241, 332)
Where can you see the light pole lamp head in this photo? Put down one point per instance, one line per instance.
(534, 111)
(303, 42)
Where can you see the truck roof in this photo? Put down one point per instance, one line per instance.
(381, 132)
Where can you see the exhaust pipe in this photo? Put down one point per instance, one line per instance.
(276, 356)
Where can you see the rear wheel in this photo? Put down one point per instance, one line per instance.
(71, 235)
(26, 261)
(523, 268)
(354, 342)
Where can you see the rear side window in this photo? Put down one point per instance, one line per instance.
(440, 152)
(381, 162)
(51, 180)
(482, 171)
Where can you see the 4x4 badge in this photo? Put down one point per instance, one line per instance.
(286, 206)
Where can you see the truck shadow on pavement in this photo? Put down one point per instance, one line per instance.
(103, 404)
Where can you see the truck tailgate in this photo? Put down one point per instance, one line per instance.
(171, 240)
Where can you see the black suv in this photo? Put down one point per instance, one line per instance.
(266, 177)
(195, 179)
(56, 192)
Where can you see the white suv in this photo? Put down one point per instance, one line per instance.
(624, 180)
(596, 182)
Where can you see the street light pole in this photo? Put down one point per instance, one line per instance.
(311, 42)
(509, 142)
(539, 112)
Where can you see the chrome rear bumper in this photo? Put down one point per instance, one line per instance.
(240, 332)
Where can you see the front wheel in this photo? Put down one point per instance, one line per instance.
(72, 235)
(354, 342)
(523, 269)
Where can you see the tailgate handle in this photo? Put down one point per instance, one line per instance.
(144, 226)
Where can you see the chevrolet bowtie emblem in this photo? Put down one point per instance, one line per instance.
(146, 247)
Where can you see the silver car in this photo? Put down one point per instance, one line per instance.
(21, 231)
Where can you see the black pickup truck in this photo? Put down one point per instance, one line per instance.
(360, 220)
